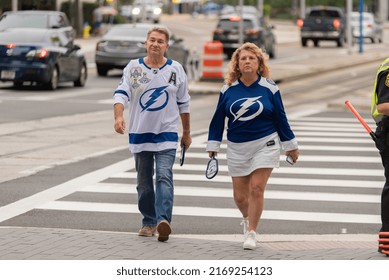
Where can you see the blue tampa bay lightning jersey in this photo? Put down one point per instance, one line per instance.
(253, 112)
(155, 97)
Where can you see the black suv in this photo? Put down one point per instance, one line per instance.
(254, 31)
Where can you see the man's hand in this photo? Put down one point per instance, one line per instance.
(120, 125)
(186, 140)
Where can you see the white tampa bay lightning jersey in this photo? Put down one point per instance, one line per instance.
(155, 97)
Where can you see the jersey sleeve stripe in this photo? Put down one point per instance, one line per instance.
(120, 92)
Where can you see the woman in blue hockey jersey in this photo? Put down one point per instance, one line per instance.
(257, 131)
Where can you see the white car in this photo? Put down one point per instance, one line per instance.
(146, 10)
(371, 28)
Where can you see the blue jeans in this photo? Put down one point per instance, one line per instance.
(155, 205)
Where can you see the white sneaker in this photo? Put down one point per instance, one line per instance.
(251, 241)
(245, 224)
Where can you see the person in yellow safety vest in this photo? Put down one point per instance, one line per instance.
(380, 113)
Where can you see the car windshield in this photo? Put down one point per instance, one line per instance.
(325, 13)
(23, 20)
(146, 2)
(130, 32)
(231, 24)
(365, 18)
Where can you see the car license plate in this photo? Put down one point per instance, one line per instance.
(318, 34)
(7, 74)
(233, 37)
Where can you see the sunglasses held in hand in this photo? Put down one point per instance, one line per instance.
(212, 167)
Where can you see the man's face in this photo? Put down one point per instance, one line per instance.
(156, 44)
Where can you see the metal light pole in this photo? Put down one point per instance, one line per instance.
(14, 5)
(260, 8)
(360, 26)
(302, 9)
(241, 22)
(349, 34)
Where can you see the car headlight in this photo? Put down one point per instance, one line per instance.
(101, 45)
(141, 45)
(136, 11)
(157, 11)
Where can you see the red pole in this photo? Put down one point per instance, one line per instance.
(361, 120)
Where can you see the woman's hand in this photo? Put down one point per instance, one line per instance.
(210, 153)
(294, 154)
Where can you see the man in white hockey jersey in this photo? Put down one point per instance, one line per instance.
(155, 89)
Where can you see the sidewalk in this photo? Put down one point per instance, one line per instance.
(63, 244)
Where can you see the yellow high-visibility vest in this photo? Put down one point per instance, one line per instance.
(374, 100)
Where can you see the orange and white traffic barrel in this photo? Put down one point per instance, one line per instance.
(213, 60)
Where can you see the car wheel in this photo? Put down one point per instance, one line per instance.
(340, 42)
(53, 83)
(272, 53)
(316, 43)
(82, 78)
(304, 42)
(18, 84)
(101, 70)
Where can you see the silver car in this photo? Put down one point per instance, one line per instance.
(53, 20)
(124, 42)
(146, 10)
(371, 28)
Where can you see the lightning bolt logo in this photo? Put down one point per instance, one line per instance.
(252, 105)
(152, 98)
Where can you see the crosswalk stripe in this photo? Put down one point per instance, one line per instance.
(329, 120)
(215, 212)
(302, 158)
(334, 140)
(227, 193)
(309, 148)
(296, 170)
(272, 181)
(299, 127)
(333, 134)
(339, 148)
(327, 124)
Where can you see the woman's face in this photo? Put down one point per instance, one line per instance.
(248, 62)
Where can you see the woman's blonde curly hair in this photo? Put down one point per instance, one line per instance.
(233, 73)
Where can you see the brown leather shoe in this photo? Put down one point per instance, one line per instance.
(164, 230)
(147, 231)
